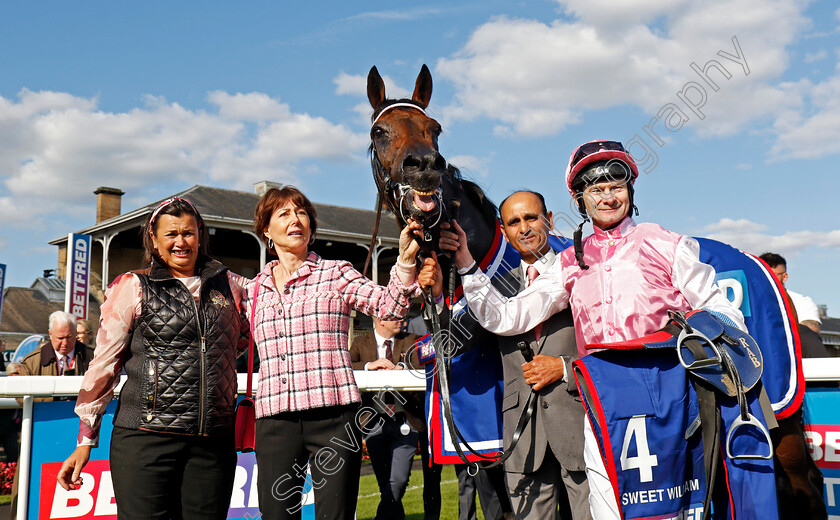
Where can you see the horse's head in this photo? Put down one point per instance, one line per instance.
(404, 145)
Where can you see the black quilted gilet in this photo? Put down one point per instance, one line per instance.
(177, 383)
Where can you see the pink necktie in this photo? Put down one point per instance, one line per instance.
(532, 275)
(389, 351)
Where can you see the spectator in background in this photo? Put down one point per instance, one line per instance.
(806, 310)
(393, 440)
(84, 333)
(9, 418)
(61, 355)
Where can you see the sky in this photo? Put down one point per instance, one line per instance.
(731, 107)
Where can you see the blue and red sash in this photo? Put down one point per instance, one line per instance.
(749, 283)
(640, 405)
(476, 377)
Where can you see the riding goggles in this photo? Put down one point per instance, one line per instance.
(593, 147)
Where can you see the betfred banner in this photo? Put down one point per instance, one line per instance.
(822, 433)
(78, 275)
(2, 282)
(54, 430)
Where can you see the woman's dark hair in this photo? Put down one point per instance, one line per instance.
(275, 198)
(177, 207)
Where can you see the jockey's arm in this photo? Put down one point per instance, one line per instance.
(509, 316)
(506, 316)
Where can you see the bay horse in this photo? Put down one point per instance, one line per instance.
(416, 181)
(413, 177)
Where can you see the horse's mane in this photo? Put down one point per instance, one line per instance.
(477, 196)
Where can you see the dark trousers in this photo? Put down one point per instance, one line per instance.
(492, 493)
(431, 481)
(166, 476)
(9, 432)
(391, 454)
(329, 440)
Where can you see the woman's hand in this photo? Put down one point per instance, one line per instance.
(456, 240)
(69, 476)
(431, 275)
(408, 246)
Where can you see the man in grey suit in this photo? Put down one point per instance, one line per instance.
(550, 449)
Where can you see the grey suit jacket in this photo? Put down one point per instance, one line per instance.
(557, 423)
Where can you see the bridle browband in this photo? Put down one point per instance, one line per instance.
(400, 104)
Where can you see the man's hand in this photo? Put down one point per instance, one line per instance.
(431, 275)
(543, 371)
(381, 364)
(69, 476)
(456, 240)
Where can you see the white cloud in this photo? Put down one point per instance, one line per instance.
(811, 57)
(254, 106)
(815, 133)
(537, 78)
(401, 15)
(356, 85)
(471, 165)
(752, 238)
(55, 148)
(350, 84)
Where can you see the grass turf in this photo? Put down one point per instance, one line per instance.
(413, 499)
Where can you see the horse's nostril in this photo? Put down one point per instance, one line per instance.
(412, 164)
(439, 163)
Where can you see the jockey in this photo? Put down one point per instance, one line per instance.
(620, 282)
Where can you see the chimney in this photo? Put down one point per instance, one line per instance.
(263, 186)
(107, 203)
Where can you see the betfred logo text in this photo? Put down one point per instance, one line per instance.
(824, 444)
(93, 500)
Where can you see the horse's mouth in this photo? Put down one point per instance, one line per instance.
(424, 200)
(424, 206)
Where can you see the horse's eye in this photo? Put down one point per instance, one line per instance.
(377, 132)
(438, 130)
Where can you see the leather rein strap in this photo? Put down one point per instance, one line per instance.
(446, 353)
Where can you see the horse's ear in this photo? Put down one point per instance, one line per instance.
(375, 88)
(423, 87)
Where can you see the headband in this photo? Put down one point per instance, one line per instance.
(168, 202)
(398, 105)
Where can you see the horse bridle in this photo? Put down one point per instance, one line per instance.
(394, 195)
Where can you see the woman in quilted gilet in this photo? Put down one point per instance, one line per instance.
(176, 329)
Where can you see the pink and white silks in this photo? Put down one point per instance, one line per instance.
(636, 274)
